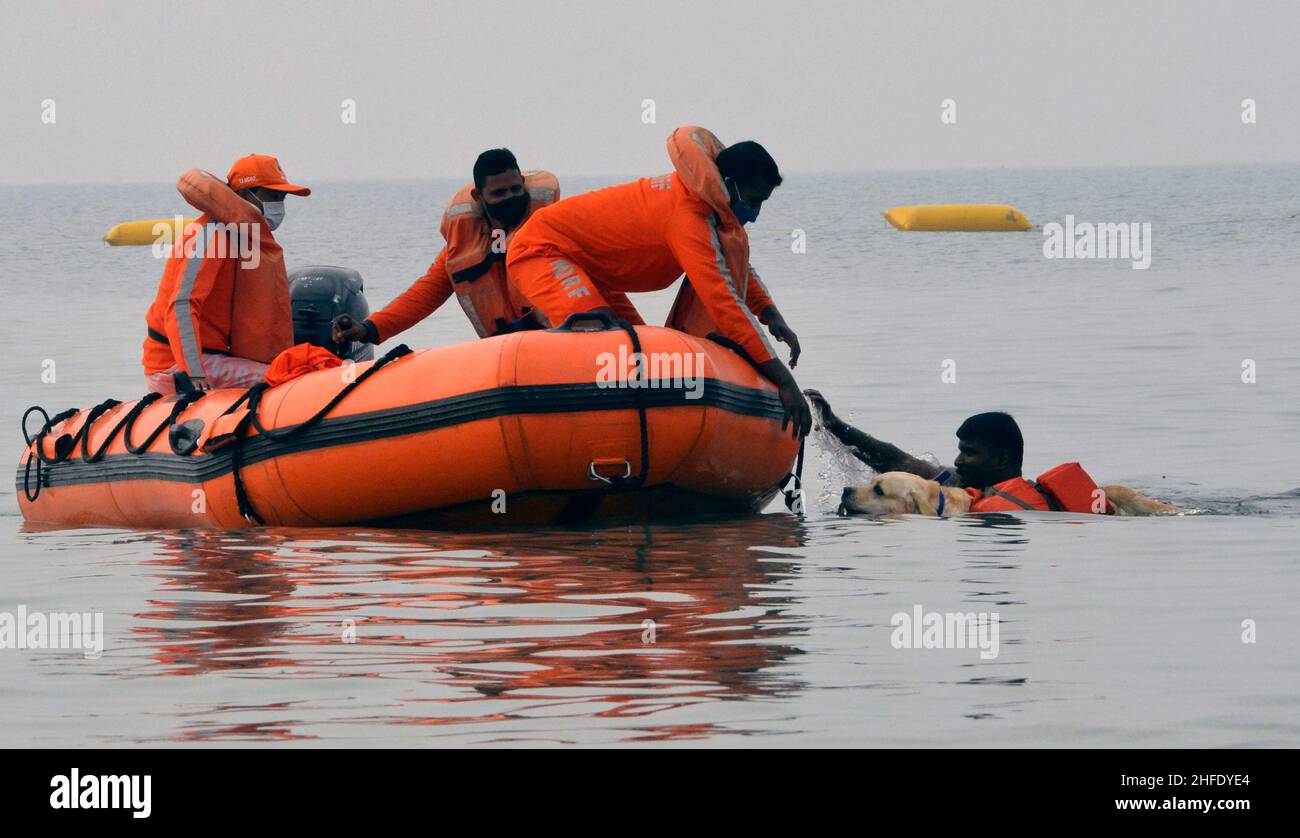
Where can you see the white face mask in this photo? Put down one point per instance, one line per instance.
(273, 212)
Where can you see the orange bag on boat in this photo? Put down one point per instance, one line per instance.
(300, 360)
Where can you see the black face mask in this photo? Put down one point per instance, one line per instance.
(510, 211)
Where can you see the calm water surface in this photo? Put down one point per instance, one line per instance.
(772, 630)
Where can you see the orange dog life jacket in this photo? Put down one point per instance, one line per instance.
(1071, 489)
(1008, 496)
(1066, 488)
(476, 255)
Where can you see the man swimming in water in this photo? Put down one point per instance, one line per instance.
(990, 453)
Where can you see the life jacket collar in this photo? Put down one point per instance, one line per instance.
(476, 253)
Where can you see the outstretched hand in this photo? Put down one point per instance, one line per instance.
(782, 332)
(797, 413)
(821, 407)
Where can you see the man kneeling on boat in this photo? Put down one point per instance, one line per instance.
(477, 226)
(585, 253)
(222, 312)
(990, 451)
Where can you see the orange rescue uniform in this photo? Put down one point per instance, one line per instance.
(193, 310)
(471, 266)
(588, 251)
(224, 290)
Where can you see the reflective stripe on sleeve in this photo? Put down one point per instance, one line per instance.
(182, 310)
(721, 259)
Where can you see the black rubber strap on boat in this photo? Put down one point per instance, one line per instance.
(178, 407)
(794, 494)
(733, 346)
(255, 399)
(64, 446)
(84, 434)
(34, 451)
(638, 398)
(638, 393)
(236, 461)
(253, 396)
(128, 419)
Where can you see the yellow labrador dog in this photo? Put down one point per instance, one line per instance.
(898, 492)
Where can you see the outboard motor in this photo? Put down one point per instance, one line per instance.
(318, 294)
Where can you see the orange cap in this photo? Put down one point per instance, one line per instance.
(261, 170)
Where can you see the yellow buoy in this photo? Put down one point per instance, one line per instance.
(958, 218)
(146, 232)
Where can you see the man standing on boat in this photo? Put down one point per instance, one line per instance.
(477, 226)
(586, 253)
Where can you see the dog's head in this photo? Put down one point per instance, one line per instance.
(894, 493)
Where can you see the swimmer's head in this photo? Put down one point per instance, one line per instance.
(990, 449)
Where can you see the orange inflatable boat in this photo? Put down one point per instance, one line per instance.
(539, 427)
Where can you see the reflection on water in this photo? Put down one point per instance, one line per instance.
(639, 621)
(772, 629)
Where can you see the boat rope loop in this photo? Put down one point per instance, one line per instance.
(794, 480)
(638, 396)
(35, 475)
(66, 445)
(253, 397)
(608, 323)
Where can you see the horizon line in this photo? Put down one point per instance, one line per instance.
(787, 172)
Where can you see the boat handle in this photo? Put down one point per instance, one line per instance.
(592, 474)
(577, 317)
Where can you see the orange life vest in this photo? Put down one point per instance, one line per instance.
(1066, 488)
(1071, 489)
(476, 256)
(261, 317)
(1014, 495)
(694, 152)
(191, 312)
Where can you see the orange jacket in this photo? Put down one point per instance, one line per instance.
(192, 310)
(224, 288)
(641, 236)
(471, 266)
(694, 151)
(1016, 487)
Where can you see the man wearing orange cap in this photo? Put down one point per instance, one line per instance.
(222, 312)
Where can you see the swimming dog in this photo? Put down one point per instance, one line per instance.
(900, 492)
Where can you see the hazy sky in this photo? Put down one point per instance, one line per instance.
(144, 90)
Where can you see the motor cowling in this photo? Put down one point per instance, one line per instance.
(320, 293)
